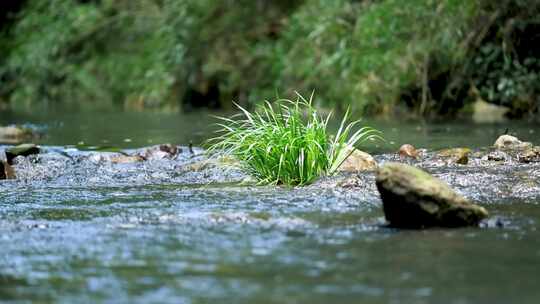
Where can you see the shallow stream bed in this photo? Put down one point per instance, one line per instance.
(76, 228)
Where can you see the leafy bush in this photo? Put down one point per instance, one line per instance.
(97, 54)
(371, 55)
(134, 53)
(505, 80)
(288, 143)
(364, 54)
(505, 67)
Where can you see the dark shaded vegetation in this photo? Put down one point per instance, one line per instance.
(424, 57)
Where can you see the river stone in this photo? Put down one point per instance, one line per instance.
(21, 150)
(458, 155)
(163, 151)
(509, 142)
(408, 150)
(358, 161)
(529, 155)
(413, 198)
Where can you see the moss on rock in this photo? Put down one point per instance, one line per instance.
(412, 198)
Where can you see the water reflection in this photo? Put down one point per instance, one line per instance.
(132, 130)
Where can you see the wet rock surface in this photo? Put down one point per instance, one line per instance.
(358, 161)
(507, 146)
(414, 199)
(488, 175)
(21, 150)
(408, 150)
(59, 167)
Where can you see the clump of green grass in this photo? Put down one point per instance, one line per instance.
(288, 143)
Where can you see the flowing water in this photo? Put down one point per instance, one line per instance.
(77, 229)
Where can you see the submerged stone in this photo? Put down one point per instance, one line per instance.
(126, 159)
(223, 162)
(21, 150)
(412, 198)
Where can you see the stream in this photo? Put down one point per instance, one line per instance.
(78, 228)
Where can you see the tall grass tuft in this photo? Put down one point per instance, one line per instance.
(287, 143)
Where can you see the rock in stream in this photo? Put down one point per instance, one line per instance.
(21, 150)
(413, 198)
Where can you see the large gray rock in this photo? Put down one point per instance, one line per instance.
(413, 198)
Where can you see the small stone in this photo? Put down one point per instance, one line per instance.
(164, 151)
(408, 150)
(463, 160)
(529, 156)
(358, 161)
(412, 198)
(458, 155)
(170, 149)
(21, 150)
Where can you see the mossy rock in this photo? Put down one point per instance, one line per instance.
(21, 150)
(458, 155)
(412, 198)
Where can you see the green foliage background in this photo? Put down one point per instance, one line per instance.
(430, 56)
